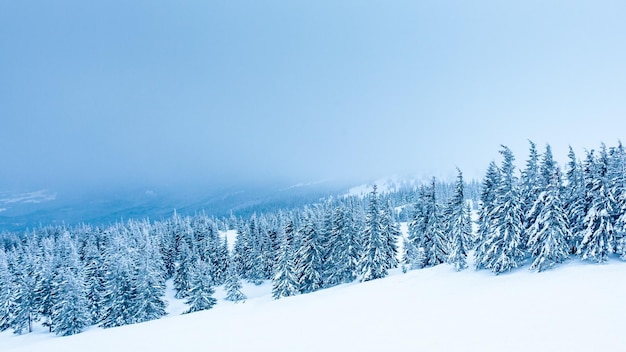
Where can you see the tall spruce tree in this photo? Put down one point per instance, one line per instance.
(503, 247)
(233, 285)
(549, 233)
(200, 296)
(309, 257)
(373, 261)
(459, 226)
(598, 237)
(488, 196)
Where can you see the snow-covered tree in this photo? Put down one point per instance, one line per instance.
(598, 237)
(309, 258)
(548, 235)
(459, 226)
(233, 285)
(285, 282)
(503, 247)
(69, 314)
(200, 296)
(373, 262)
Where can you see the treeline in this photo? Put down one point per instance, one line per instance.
(68, 278)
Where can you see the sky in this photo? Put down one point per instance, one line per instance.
(101, 93)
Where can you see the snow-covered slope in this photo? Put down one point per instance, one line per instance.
(575, 307)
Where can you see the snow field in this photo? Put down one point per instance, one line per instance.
(575, 307)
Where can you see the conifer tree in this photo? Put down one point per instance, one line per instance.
(459, 226)
(530, 186)
(374, 257)
(200, 296)
(285, 283)
(309, 258)
(503, 247)
(233, 285)
(488, 195)
(6, 291)
(598, 237)
(549, 233)
(576, 204)
(69, 313)
(391, 233)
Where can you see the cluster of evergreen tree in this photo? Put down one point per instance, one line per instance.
(68, 278)
(545, 217)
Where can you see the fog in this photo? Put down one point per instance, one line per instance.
(214, 93)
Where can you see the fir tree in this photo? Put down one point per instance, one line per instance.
(69, 312)
(598, 237)
(488, 196)
(285, 283)
(233, 285)
(503, 247)
(373, 262)
(460, 226)
(200, 296)
(309, 258)
(576, 204)
(549, 233)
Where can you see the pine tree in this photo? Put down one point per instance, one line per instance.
(530, 186)
(503, 247)
(488, 196)
(549, 233)
(598, 239)
(309, 258)
(200, 296)
(373, 262)
(69, 314)
(149, 279)
(576, 204)
(6, 291)
(285, 283)
(23, 299)
(390, 233)
(460, 226)
(233, 285)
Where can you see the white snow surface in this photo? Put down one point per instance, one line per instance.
(574, 307)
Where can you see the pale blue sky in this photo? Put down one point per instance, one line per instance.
(178, 92)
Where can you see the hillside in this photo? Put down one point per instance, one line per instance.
(575, 307)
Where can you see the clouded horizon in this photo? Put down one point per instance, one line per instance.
(224, 92)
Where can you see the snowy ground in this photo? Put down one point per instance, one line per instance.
(575, 307)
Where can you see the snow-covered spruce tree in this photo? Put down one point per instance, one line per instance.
(391, 233)
(488, 195)
(598, 237)
(548, 235)
(617, 174)
(337, 249)
(459, 226)
(46, 269)
(309, 258)
(232, 285)
(182, 275)
(94, 276)
(375, 255)
(118, 297)
(23, 299)
(148, 278)
(503, 247)
(576, 204)
(285, 283)
(69, 314)
(530, 186)
(200, 296)
(6, 290)
(434, 241)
